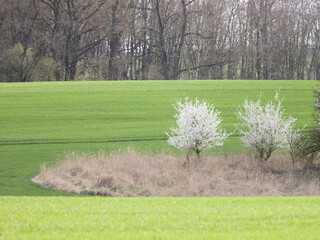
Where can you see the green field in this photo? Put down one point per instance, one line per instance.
(159, 218)
(42, 121)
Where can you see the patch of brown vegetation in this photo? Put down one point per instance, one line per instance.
(134, 174)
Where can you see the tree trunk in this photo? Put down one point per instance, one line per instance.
(113, 70)
(177, 53)
(162, 47)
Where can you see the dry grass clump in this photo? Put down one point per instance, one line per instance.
(133, 174)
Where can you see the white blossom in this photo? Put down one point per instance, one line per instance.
(198, 126)
(265, 128)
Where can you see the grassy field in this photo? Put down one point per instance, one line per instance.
(159, 218)
(41, 121)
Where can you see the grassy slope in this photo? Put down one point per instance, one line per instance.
(159, 218)
(40, 121)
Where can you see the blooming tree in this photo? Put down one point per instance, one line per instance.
(264, 128)
(296, 142)
(198, 127)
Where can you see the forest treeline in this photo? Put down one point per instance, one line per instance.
(56, 40)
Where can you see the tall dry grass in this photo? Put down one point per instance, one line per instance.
(133, 174)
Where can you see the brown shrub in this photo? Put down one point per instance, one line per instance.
(133, 174)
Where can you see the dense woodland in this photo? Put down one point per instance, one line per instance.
(65, 40)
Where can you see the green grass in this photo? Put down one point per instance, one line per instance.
(159, 218)
(41, 121)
